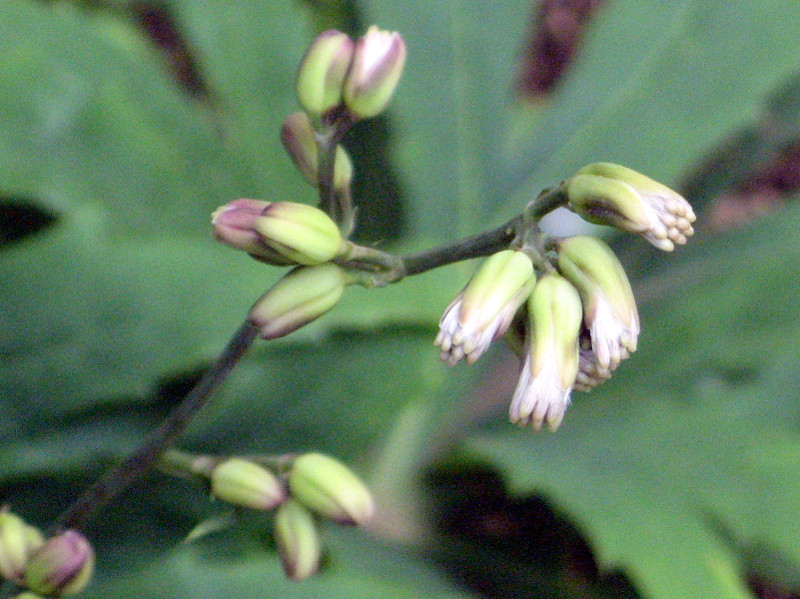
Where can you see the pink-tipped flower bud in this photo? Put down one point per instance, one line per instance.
(609, 194)
(378, 62)
(299, 232)
(300, 297)
(329, 488)
(298, 541)
(247, 484)
(234, 225)
(322, 72)
(62, 566)
(297, 136)
(18, 541)
(551, 362)
(485, 308)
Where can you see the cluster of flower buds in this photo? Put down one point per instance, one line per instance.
(300, 489)
(580, 315)
(56, 567)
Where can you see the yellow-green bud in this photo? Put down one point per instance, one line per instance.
(246, 484)
(234, 225)
(300, 297)
(18, 541)
(378, 62)
(485, 308)
(609, 307)
(297, 539)
(28, 595)
(297, 136)
(551, 363)
(610, 194)
(322, 72)
(62, 566)
(330, 489)
(299, 232)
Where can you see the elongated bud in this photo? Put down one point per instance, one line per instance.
(610, 194)
(234, 225)
(329, 488)
(299, 232)
(62, 566)
(297, 538)
(28, 595)
(551, 363)
(485, 308)
(297, 136)
(300, 297)
(247, 484)
(322, 72)
(609, 307)
(378, 62)
(18, 541)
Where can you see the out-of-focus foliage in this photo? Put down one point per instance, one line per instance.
(680, 472)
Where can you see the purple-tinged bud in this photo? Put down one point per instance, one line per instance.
(609, 307)
(62, 566)
(234, 225)
(322, 71)
(247, 484)
(299, 232)
(298, 541)
(610, 194)
(300, 297)
(297, 136)
(551, 362)
(378, 62)
(329, 488)
(18, 541)
(485, 308)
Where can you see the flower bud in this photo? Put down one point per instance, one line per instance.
(377, 64)
(551, 362)
(300, 297)
(485, 308)
(609, 194)
(62, 566)
(234, 225)
(609, 307)
(322, 72)
(297, 539)
(297, 136)
(18, 541)
(246, 484)
(299, 232)
(329, 488)
(28, 595)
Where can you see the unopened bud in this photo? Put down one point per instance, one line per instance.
(610, 194)
(246, 484)
(300, 297)
(330, 489)
(62, 566)
(297, 538)
(28, 595)
(378, 62)
(299, 232)
(234, 225)
(297, 136)
(18, 541)
(322, 71)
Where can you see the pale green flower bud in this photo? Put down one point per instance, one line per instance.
(297, 538)
(247, 484)
(551, 362)
(329, 488)
(62, 566)
(609, 307)
(299, 232)
(300, 297)
(322, 72)
(234, 225)
(28, 595)
(609, 194)
(297, 136)
(18, 541)
(485, 308)
(378, 62)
